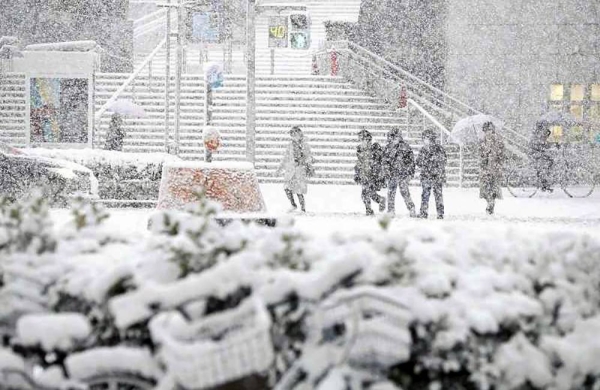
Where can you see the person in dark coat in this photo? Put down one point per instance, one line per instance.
(492, 153)
(297, 166)
(540, 154)
(432, 162)
(116, 134)
(399, 169)
(368, 171)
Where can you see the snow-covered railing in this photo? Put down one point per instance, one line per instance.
(387, 80)
(149, 23)
(129, 82)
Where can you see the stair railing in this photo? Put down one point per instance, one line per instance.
(150, 23)
(385, 79)
(130, 82)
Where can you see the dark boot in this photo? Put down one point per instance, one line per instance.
(302, 203)
(290, 196)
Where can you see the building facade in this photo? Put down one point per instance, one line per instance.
(515, 59)
(520, 58)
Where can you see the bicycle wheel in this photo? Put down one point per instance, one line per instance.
(578, 182)
(522, 182)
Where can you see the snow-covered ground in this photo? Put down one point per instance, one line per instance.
(339, 208)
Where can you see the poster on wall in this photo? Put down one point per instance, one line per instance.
(205, 27)
(59, 110)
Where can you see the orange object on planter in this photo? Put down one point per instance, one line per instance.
(212, 139)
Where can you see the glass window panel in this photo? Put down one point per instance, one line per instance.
(576, 134)
(595, 112)
(577, 111)
(556, 92)
(595, 92)
(577, 92)
(556, 134)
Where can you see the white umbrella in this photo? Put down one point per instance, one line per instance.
(470, 129)
(126, 108)
(557, 118)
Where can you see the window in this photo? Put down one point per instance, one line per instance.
(577, 111)
(556, 133)
(595, 95)
(556, 92)
(577, 92)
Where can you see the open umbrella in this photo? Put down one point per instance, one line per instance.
(126, 108)
(470, 129)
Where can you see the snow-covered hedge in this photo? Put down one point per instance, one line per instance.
(124, 176)
(437, 307)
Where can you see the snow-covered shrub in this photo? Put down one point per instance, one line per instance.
(438, 307)
(126, 176)
(26, 226)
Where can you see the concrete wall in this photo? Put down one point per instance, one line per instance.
(503, 55)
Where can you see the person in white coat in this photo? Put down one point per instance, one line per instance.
(297, 167)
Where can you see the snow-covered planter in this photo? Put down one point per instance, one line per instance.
(232, 184)
(127, 176)
(216, 349)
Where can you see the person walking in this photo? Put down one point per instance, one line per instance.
(399, 169)
(492, 154)
(116, 134)
(368, 171)
(539, 152)
(432, 162)
(297, 166)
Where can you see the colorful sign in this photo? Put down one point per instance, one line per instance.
(278, 31)
(59, 110)
(205, 27)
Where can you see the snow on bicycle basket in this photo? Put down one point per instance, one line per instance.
(216, 349)
(375, 326)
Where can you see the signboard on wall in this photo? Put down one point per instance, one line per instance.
(205, 27)
(59, 110)
(278, 31)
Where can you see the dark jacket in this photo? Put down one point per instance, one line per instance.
(368, 170)
(115, 134)
(493, 155)
(398, 160)
(432, 161)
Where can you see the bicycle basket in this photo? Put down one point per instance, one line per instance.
(216, 349)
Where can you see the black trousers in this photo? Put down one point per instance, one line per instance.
(402, 184)
(436, 187)
(369, 194)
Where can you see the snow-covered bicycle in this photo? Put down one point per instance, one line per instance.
(569, 170)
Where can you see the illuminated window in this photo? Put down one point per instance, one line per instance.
(595, 93)
(556, 92)
(556, 133)
(577, 111)
(577, 92)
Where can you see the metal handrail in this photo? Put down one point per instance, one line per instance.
(128, 82)
(374, 59)
(150, 17)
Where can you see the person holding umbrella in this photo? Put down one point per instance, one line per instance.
(115, 134)
(492, 154)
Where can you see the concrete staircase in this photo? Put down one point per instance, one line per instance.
(13, 109)
(330, 111)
